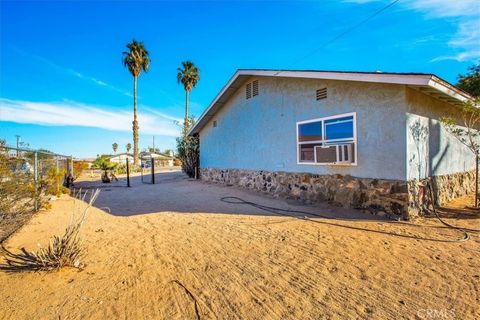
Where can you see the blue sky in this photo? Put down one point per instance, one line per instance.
(63, 87)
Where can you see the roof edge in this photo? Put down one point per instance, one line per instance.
(414, 79)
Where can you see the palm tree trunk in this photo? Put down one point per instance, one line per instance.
(185, 125)
(135, 122)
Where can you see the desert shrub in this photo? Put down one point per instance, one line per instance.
(17, 187)
(188, 151)
(52, 184)
(122, 169)
(78, 168)
(100, 161)
(103, 163)
(62, 251)
(18, 191)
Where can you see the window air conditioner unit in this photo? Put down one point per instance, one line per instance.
(335, 154)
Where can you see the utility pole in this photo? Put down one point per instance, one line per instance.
(153, 143)
(18, 143)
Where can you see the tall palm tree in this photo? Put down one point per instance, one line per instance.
(129, 147)
(115, 147)
(136, 60)
(189, 77)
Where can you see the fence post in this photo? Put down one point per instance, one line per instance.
(71, 164)
(56, 172)
(153, 170)
(476, 180)
(35, 179)
(128, 174)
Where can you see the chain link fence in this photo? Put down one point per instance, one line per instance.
(29, 176)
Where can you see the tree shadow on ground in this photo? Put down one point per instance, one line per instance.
(175, 192)
(458, 213)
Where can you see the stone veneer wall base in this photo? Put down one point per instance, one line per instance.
(381, 197)
(397, 199)
(444, 189)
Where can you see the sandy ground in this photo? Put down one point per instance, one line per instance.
(241, 263)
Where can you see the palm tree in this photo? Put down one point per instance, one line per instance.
(129, 146)
(115, 147)
(189, 77)
(136, 60)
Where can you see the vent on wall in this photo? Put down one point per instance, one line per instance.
(321, 93)
(214, 123)
(251, 89)
(255, 88)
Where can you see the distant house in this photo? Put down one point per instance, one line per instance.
(161, 160)
(122, 158)
(367, 140)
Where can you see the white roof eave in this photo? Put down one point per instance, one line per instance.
(423, 80)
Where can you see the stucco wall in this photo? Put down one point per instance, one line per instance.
(431, 150)
(260, 133)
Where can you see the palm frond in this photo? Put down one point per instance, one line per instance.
(137, 58)
(189, 75)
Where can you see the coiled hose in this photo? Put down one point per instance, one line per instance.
(289, 212)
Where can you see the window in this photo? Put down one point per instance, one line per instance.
(339, 128)
(317, 134)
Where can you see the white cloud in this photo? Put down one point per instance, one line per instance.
(72, 72)
(465, 44)
(70, 113)
(445, 8)
(94, 80)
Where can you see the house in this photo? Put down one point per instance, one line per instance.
(122, 158)
(161, 160)
(369, 140)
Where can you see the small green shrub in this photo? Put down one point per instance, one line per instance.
(188, 150)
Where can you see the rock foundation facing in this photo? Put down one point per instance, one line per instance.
(397, 199)
(381, 197)
(444, 189)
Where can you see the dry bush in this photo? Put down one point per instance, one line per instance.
(188, 151)
(78, 168)
(63, 251)
(52, 184)
(18, 190)
(17, 187)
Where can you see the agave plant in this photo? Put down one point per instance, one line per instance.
(62, 251)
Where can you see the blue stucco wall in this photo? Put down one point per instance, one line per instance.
(260, 133)
(431, 150)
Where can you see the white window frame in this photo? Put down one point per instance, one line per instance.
(326, 142)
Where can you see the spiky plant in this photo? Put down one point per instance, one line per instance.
(135, 59)
(62, 251)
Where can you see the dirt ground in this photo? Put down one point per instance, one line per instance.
(11, 223)
(170, 250)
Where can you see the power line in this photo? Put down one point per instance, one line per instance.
(376, 13)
